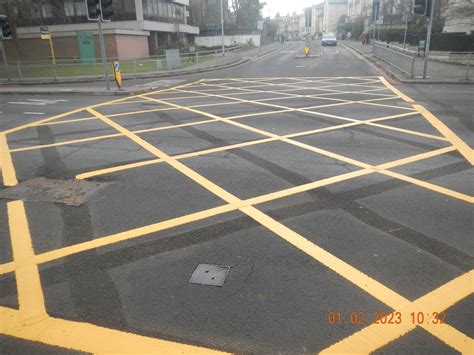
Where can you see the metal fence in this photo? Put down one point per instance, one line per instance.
(131, 68)
(450, 65)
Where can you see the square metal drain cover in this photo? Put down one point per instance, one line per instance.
(210, 275)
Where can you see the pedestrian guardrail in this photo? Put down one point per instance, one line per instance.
(453, 65)
(131, 68)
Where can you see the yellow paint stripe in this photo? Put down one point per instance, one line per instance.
(7, 268)
(64, 114)
(376, 336)
(395, 90)
(462, 147)
(429, 186)
(66, 121)
(30, 293)
(156, 227)
(117, 168)
(6, 163)
(353, 52)
(89, 338)
(316, 113)
(131, 234)
(31, 124)
(317, 150)
(42, 146)
(180, 156)
(174, 163)
(366, 283)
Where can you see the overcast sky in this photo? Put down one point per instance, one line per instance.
(286, 6)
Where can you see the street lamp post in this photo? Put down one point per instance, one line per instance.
(222, 29)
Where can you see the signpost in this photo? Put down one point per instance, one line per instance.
(406, 18)
(117, 74)
(260, 28)
(46, 35)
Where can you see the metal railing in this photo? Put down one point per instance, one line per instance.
(130, 67)
(452, 65)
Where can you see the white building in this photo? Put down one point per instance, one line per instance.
(459, 17)
(333, 10)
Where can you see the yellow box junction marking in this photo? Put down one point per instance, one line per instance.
(72, 334)
(6, 163)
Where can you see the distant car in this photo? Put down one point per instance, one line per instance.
(328, 39)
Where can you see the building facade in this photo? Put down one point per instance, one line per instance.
(459, 17)
(333, 10)
(139, 28)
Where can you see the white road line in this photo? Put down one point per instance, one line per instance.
(33, 113)
(48, 101)
(27, 103)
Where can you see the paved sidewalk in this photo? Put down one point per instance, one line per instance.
(357, 45)
(97, 87)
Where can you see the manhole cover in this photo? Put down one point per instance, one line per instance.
(68, 192)
(210, 275)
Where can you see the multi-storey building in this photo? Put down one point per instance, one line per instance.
(317, 16)
(138, 27)
(333, 10)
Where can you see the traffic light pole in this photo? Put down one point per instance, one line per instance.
(4, 55)
(428, 38)
(103, 54)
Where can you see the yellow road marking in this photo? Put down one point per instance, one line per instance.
(160, 226)
(305, 146)
(395, 90)
(295, 239)
(220, 192)
(6, 163)
(64, 114)
(90, 338)
(353, 52)
(373, 287)
(30, 294)
(370, 285)
(316, 113)
(462, 147)
(50, 123)
(429, 186)
(58, 144)
(376, 336)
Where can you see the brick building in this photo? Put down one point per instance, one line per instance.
(139, 28)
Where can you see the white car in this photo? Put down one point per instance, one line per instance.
(329, 39)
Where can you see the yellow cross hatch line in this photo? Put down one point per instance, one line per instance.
(31, 320)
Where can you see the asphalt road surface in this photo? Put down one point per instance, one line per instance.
(333, 205)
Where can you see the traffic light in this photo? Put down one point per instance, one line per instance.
(106, 10)
(92, 10)
(6, 32)
(422, 7)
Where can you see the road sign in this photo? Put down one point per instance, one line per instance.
(379, 21)
(260, 25)
(407, 18)
(117, 74)
(44, 31)
(306, 50)
(421, 44)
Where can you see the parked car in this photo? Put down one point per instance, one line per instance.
(329, 39)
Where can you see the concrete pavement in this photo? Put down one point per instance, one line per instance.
(341, 203)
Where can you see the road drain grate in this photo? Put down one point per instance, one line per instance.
(210, 275)
(67, 192)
